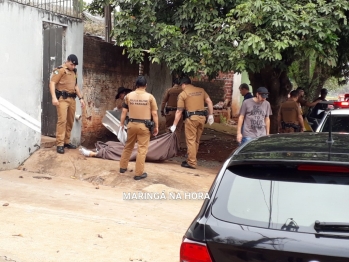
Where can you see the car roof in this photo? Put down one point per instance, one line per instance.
(309, 147)
(340, 111)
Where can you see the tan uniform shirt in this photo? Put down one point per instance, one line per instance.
(192, 98)
(290, 111)
(64, 79)
(170, 97)
(140, 104)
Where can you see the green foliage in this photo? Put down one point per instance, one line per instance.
(222, 119)
(96, 7)
(332, 85)
(223, 35)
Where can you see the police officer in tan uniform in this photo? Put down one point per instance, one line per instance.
(290, 117)
(64, 89)
(141, 107)
(169, 107)
(192, 99)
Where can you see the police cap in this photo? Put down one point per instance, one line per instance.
(73, 58)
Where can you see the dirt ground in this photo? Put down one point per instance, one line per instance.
(219, 147)
(73, 208)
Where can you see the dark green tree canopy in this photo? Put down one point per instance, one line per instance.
(220, 35)
(262, 37)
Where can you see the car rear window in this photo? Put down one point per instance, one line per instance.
(340, 123)
(281, 197)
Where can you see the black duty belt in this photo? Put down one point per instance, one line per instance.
(148, 123)
(197, 113)
(285, 125)
(171, 109)
(64, 94)
(138, 120)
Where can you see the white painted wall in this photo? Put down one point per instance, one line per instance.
(21, 78)
(235, 105)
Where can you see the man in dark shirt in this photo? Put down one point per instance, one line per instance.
(245, 91)
(314, 112)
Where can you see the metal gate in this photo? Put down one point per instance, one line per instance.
(53, 36)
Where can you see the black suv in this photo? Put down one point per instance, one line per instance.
(279, 198)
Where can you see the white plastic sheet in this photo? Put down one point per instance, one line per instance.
(122, 136)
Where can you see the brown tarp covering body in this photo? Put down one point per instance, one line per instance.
(160, 148)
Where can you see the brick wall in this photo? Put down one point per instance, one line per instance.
(215, 89)
(228, 79)
(219, 89)
(105, 70)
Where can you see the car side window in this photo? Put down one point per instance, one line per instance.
(339, 124)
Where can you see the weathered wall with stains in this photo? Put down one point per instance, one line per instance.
(105, 70)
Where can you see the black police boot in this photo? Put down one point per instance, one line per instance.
(60, 149)
(144, 175)
(185, 164)
(70, 146)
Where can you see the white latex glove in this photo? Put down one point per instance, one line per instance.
(173, 128)
(210, 120)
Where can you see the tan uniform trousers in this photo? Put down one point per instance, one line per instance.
(65, 120)
(136, 132)
(194, 126)
(169, 122)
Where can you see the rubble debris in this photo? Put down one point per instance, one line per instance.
(95, 180)
(219, 105)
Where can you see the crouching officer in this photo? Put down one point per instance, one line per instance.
(64, 89)
(169, 107)
(141, 107)
(192, 99)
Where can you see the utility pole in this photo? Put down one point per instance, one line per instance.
(107, 19)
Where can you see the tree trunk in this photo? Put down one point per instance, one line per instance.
(321, 74)
(278, 85)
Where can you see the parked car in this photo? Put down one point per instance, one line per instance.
(335, 117)
(277, 198)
